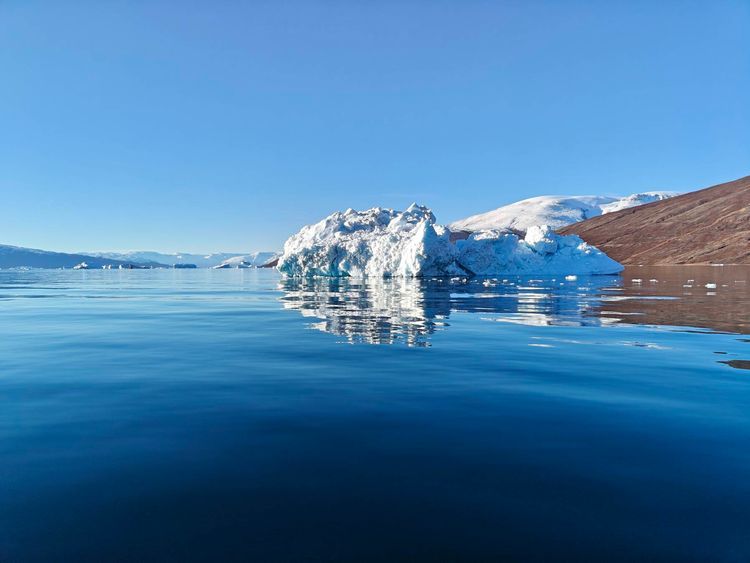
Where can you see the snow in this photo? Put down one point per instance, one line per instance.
(635, 200)
(555, 211)
(254, 260)
(20, 257)
(170, 259)
(381, 242)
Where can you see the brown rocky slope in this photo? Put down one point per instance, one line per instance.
(709, 226)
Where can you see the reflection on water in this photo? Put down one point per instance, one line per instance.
(710, 297)
(387, 311)
(183, 415)
(382, 311)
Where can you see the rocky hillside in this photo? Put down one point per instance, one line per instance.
(708, 226)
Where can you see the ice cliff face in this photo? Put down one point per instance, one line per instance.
(540, 252)
(382, 243)
(377, 242)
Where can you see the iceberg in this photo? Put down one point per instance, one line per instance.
(381, 242)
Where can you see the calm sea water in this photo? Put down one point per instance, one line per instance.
(204, 415)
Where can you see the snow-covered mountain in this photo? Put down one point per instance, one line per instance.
(555, 211)
(146, 256)
(254, 260)
(635, 200)
(20, 257)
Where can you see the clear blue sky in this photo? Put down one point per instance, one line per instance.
(204, 126)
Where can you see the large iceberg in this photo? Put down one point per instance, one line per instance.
(382, 243)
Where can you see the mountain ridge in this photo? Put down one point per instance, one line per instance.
(22, 257)
(707, 226)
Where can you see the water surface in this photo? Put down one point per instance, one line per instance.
(197, 415)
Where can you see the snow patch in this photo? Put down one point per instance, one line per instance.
(555, 211)
(254, 260)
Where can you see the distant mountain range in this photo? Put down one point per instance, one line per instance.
(702, 227)
(555, 211)
(254, 260)
(149, 256)
(20, 257)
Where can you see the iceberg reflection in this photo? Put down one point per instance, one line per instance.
(377, 311)
(410, 310)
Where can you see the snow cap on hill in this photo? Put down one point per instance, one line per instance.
(555, 211)
(382, 242)
(254, 260)
(635, 200)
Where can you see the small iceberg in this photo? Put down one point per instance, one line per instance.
(381, 242)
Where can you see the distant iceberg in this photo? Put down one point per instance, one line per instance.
(382, 242)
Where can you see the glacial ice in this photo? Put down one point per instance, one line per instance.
(382, 242)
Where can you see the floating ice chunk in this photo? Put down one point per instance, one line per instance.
(541, 251)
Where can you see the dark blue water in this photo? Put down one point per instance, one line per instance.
(203, 415)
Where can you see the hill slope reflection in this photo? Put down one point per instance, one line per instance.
(409, 311)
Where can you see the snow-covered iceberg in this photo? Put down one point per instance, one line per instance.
(377, 242)
(540, 252)
(382, 243)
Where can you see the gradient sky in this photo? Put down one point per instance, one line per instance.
(211, 126)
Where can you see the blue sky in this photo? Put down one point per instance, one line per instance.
(209, 126)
